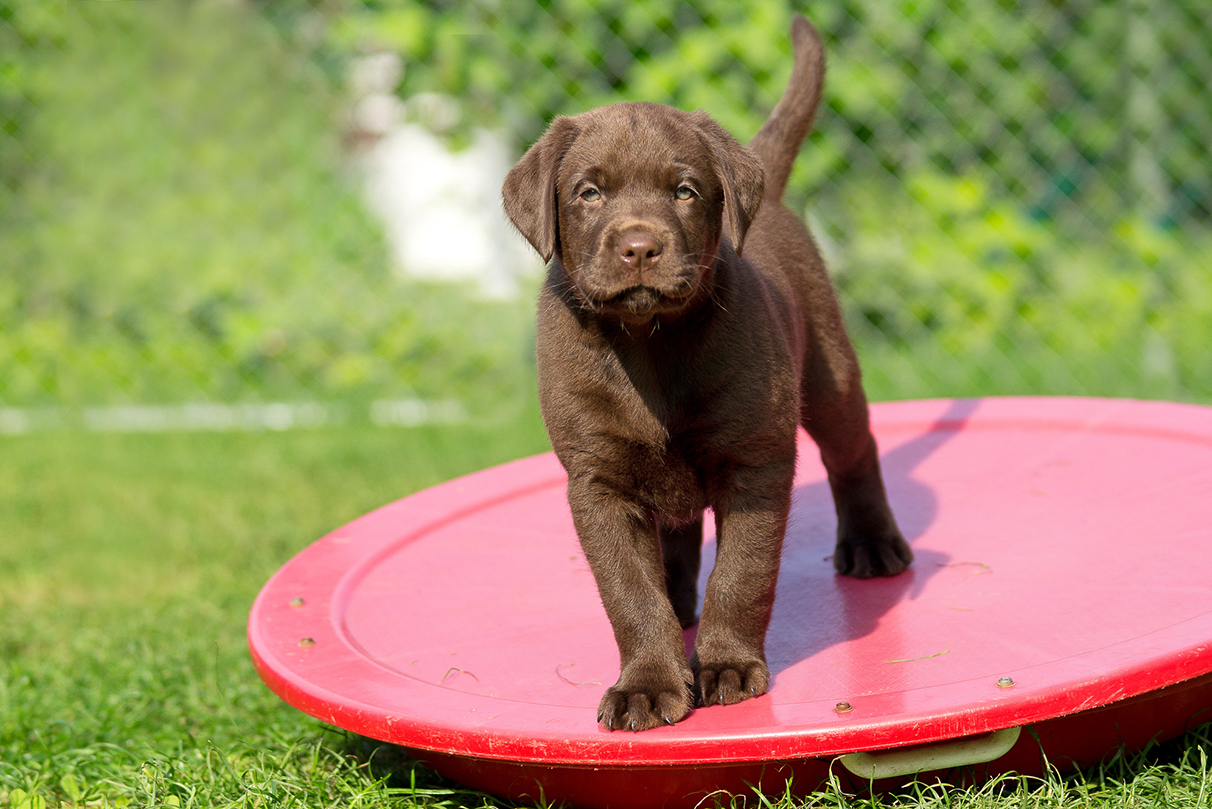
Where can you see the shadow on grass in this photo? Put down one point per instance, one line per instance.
(1177, 772)
(406, 777)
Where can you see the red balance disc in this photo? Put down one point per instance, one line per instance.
(1062, 583)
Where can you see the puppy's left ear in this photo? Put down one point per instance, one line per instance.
(529, 192)
(741, 174)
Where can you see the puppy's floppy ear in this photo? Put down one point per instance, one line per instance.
(529, 192)
(741, 174)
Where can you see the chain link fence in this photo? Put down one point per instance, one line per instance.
(226, 206)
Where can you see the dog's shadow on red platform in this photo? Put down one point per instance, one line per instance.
(815, 608)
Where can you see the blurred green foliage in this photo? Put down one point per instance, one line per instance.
(1014, 199)
(177, 226)
(1017, 200)
(1047, 98)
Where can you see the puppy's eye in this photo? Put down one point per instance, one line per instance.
(684, 193)
(591, 195)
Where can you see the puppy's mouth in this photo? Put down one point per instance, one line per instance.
(642, 303)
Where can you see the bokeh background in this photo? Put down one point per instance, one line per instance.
(284, 212)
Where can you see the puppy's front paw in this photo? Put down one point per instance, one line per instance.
(646, 701)
(729, 682)
(866, 558)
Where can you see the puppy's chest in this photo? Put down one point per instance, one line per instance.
(666, 447)
(668, 476)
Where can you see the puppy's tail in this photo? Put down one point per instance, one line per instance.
(778, 141)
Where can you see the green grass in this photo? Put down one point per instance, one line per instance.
(127, 567)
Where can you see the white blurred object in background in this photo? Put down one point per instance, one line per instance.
(440, 208)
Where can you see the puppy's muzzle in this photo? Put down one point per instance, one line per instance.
(639, 272)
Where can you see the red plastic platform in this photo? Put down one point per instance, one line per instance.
(1062, 582)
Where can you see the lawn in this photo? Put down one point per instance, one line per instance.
(127, 566)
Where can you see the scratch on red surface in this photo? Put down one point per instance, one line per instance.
(923, 657)
(453, 670)
(985, 568)
(572, 682)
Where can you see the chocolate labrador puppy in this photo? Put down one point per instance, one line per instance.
(673, 373)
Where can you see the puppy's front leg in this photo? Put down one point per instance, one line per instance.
(621, 543)
(730, 650)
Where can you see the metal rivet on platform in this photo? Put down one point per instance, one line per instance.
(1005, 682)
(307, 642)
(843, 707)
(297, 602)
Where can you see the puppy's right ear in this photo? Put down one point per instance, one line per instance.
(529, 192)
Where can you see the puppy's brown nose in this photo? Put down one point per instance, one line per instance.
(639, 250)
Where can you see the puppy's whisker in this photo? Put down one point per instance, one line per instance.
(714, 297)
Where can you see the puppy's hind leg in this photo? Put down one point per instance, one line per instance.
(681, 550)
(833, 410)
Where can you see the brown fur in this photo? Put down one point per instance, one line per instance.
(673, 374)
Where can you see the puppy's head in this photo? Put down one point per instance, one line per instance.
(633, 200)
